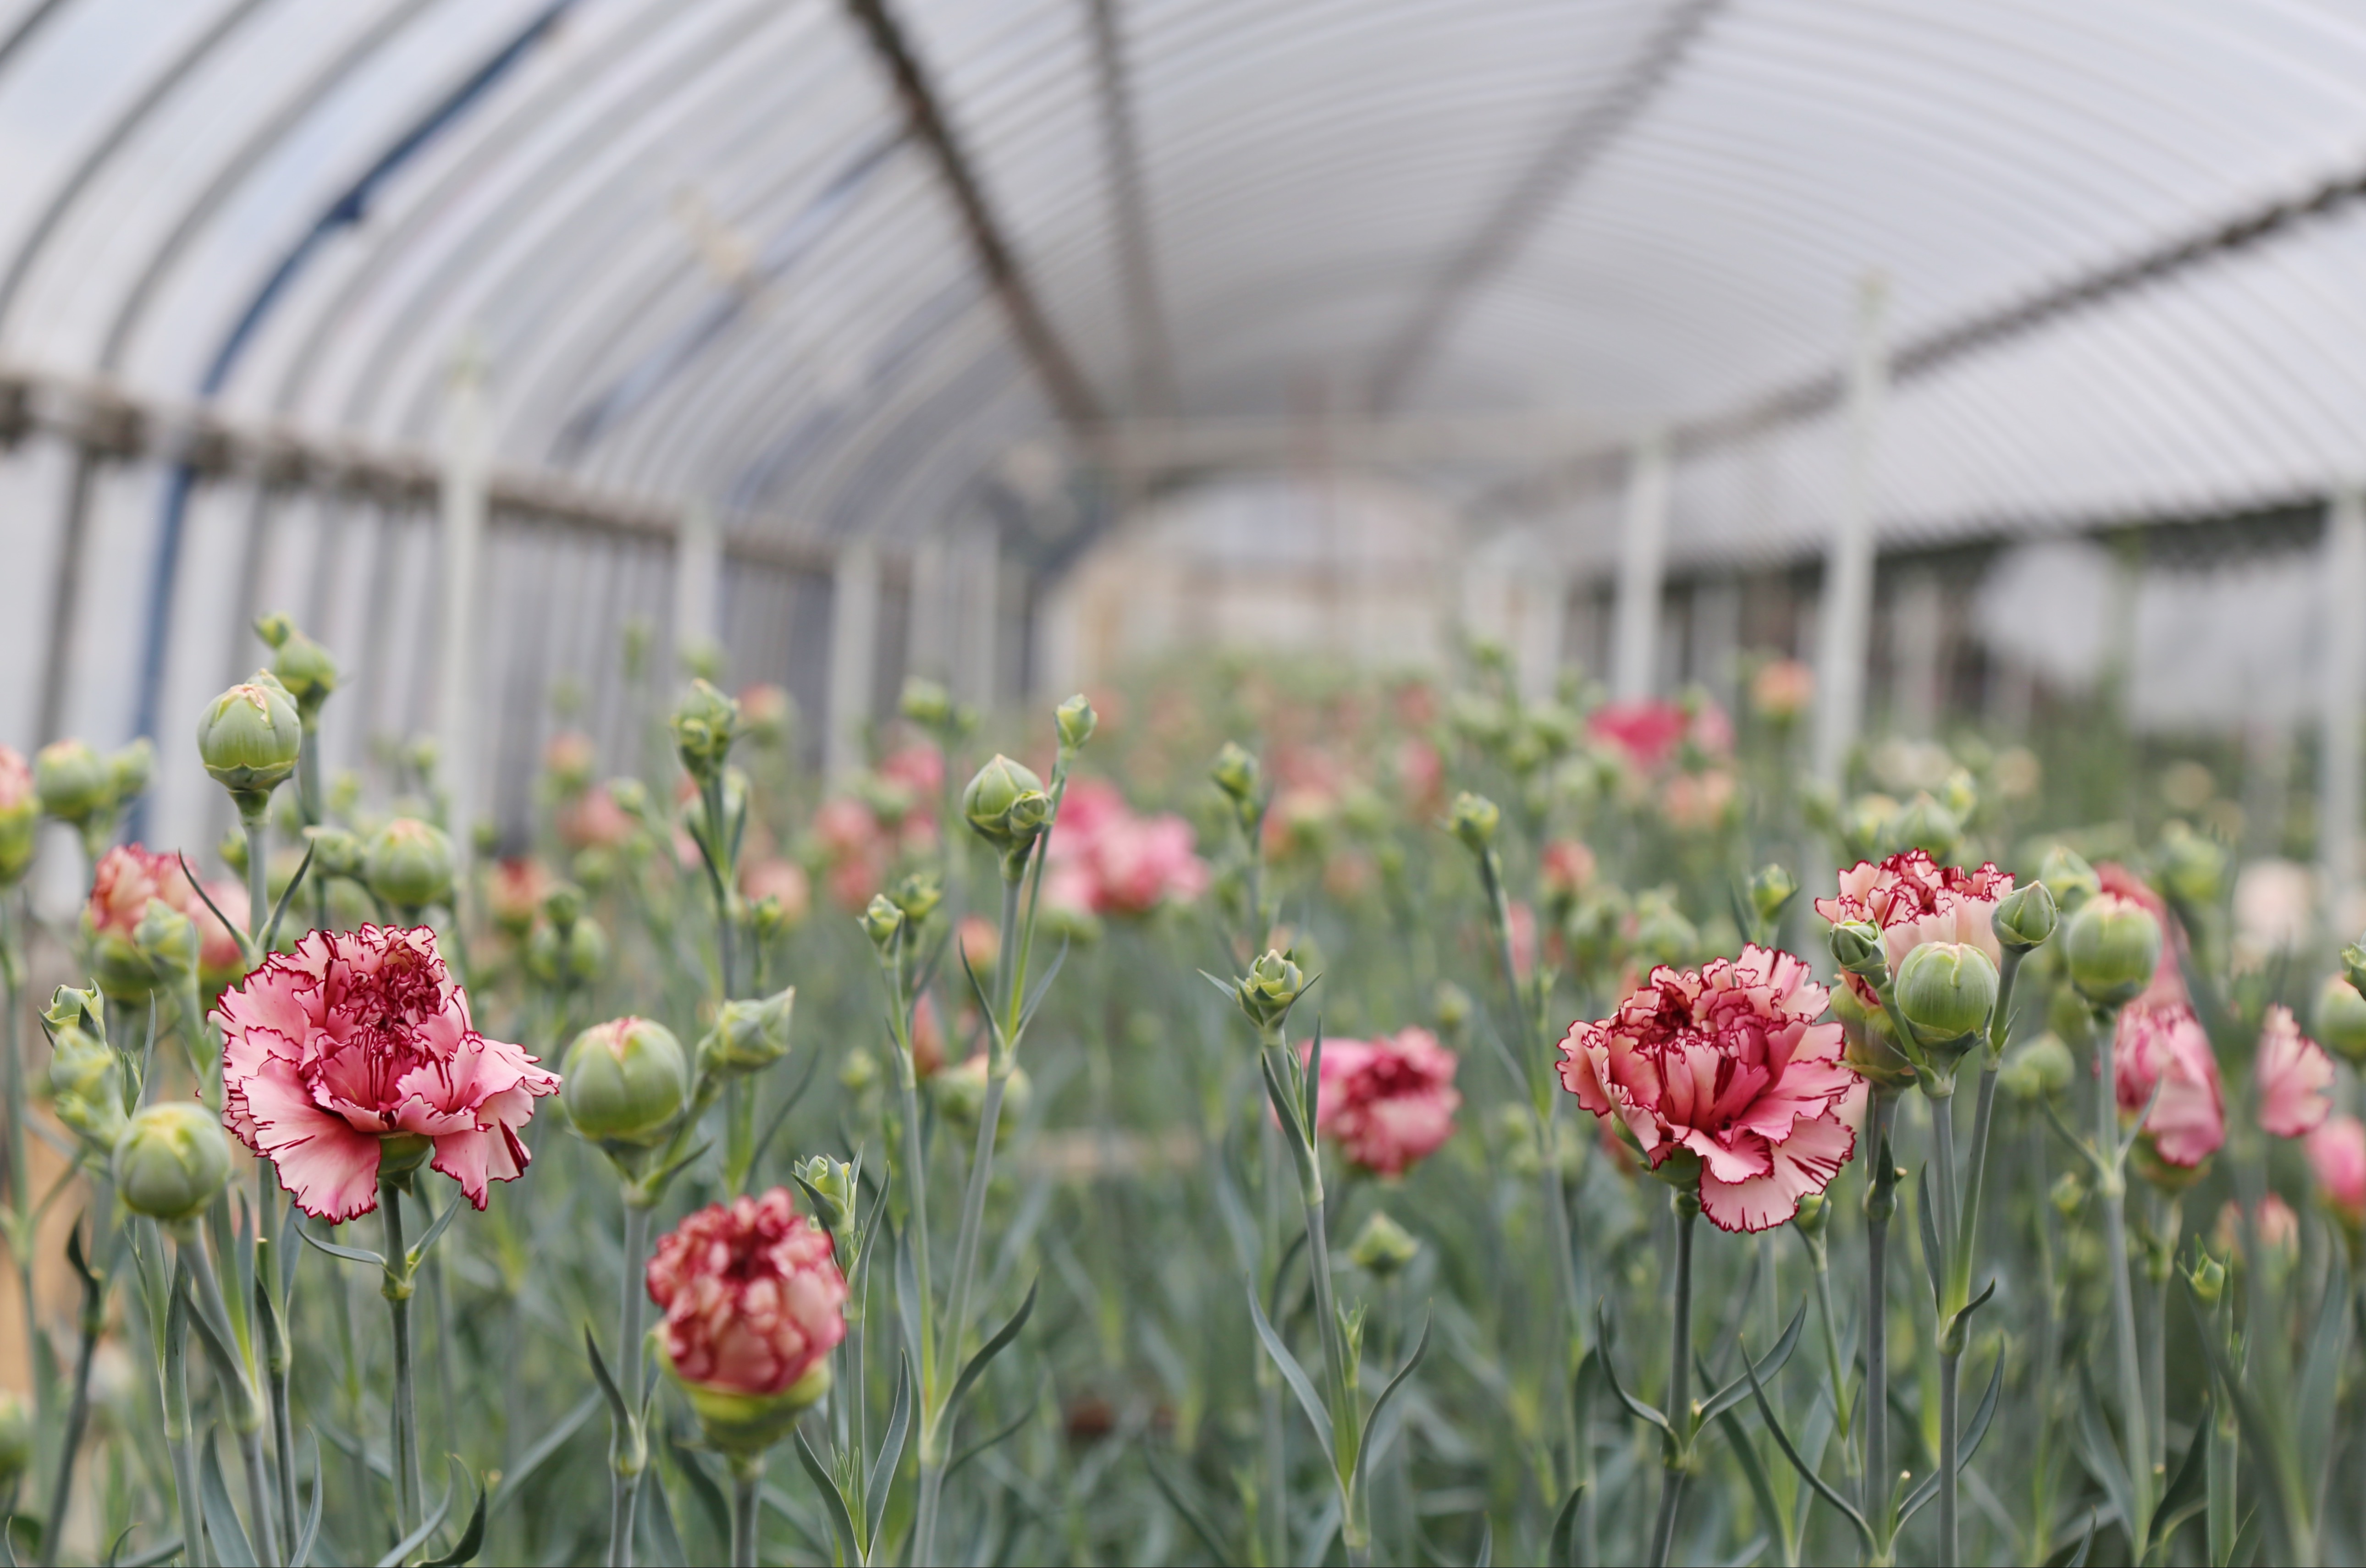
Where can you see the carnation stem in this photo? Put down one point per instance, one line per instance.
(1680, 1399)
(396, 1292)
(1880, 1203)
(176, 1413)
(278, 1363)
(1268, 1377)
(2112, 1181)
(258, 877)
(245, 1412)
(628, 1454)
(747, 1475)
(1820, 1255)
(1951, 1328)
(94, 1322)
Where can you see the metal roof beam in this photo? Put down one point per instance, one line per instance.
(1155, 385)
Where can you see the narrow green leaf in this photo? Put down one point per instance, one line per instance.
(1295, 1375)
(1372, 1421)
(1933, 1259)
(781, 1117)
(514, 1479)
(2321, 1372)
(1846, 1509)
(991, 1349)
(1486, 1543)
(839, 1514)
(1973, 1430)
(1564, 1530)
(1753, 1470)
(1309, 1082)
(472, 1539)
(2097, 1452)
(891, 1450)
(1734, 1392)
(309, 1535)
(2086, 1544)
(1191, 1516)
(620, 1412)
(231, 1546)
(279, 912)
(434, 1233)
(418, 1538)
(983, 1444)
(2189, 1490)
(350, 1254)
(1635, 1406)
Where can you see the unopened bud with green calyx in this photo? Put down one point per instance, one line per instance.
(410, 864)
(77, 1007)
(167, 939)
(1450, 1006)
(748, 1036)
(1383, 1247)
(20, 818)
(917, 895)
(1076, 722)
(2208, 1278)
(2339, 1022)
(335, 853)
(573, 954)
(15, 1441)
(2037, 1069)
(1268, 992)
(624, 1082)
(1473, 819)
(705, 722)
(1867, 1045)
(829, 1185)
(129, 769)
(2069, 878)
(1235, 773)
(249, 738)
(303, 667)
(562, 904)
(2111, 947)
(1815, 1216)
(73, 781)
(172, 1160)
(86, 1087)
(1927, 826)
(1772, 888)
(1856, 947)
(1864, 826)
(2193, 869)
(881, 921)
(926, 703)
(1005, 804)
(2353, 965)
(2026, 918)
(960, 1091)
(1947, 991)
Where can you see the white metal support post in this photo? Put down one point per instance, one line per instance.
(853, 653)
(1847, 610)
(2344, 692)
(466, 490)
(698, 592)
(979, 595)
(1642, 562)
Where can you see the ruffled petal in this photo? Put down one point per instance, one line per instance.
(1804, 1162)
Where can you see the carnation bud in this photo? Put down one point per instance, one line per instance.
(167, 939)
(624, 1082)
(249, 738)
(562, 904)
(2208, 1278)
(1235, 773)
(20, 818)
(303, 667)
(78, 1008)
(917, 895)
(1856, 947)
(630, 796)
(127, 770)
(1383, 1247)
(579, 957)
(858, 1071)
(1865, 823)
(748, 1036)
(172, 1160)
(1814, 1216)
(2037, 1069)
(2069, 878)
(881, 921)
(1078, 722)
(1663, 934)
(1868, 1048)
(1005, 804)
(73, 783)
(2339, 1024)
(2026, 917)
(409, 863)
(1927, 826)
(1771, 887)
(1451, 1007)
(830, 1185)
(1946, 990)
(2192, 867)
(15, 1441)
(705, 725)
(86, 1086)
(2113, 946)
(1473, 819)
(1268, 992)
(1959, 794)
(926, 703)
(960, 1094)
(335, 853)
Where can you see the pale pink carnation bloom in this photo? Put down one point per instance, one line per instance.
(514, 893)
(127, 877)
(918, 769)
(2166, 1046)
(1913, 900)
(1106, 860)
(16, 779)
(1389, 1102)
(359, 1035)
(1695, 803)
(771, 876)
(2278, 1228)
(2336, 1152)
(1730, 1062)
(753, 1297)
(594, 821)
(1783, 689)
(1421, 774)
(2296, 1077)
(1565, 870)
(221, 957)
(845, 827)
(1520, 926)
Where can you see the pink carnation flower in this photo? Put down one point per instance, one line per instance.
(2167, 987)
(2165, 1047)
(918, 769)
(1649, 732)
(751, 1295)
(1390, 1102)
(221, 957)
(1727, 1062)
(360, 1036)
(2296, 1077)
(2336, 1152)
(594, 821)
(1913, 900)
(1107, 860)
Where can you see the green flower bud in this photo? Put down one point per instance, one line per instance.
(1865, 825)
(1772, 888)
(1947, 991)
(748, 1036)
(2208, 1278)
(745, 1425)
(1270, 988)
(562, 904)
(2112, 947)
(2069, 878)
(121, 970)
(926, 703)
(1383, 1247)
(830, 1185)
(630, 795)
(1868, 1047)
(1450, 1006)
(167, 939)
(75, 785)
(1005, 804)
(705, 722)
(1856, 947)
(1663, 934)
(2340, 1023)
(1927, 826)
(249, 737)
(881, 921)
(579, 958)
(86, 1087)
(2068, 1195)
(917, 895)
(1815, 1216)
(72, 1008)
(410, 864)
(858, 1071)
(1235, 773)
(960, 1091)
(2192, 868)
(1959, 794)
(127, 770)
(625, 1081)
(303, 667)
(172, 1160)
(2037, 1069)
(335, 853)
(1473, 819)
(1077, 722)
(15, 1441)
(2026, 917)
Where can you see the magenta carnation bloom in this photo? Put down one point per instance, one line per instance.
(2296, 1077)
(2166, 1046)
(1914, 899)
(2336, 1152)
(1389, 1102)
(753, 1297)
(361, 1036)
(1104, 859)
(1729, 1063)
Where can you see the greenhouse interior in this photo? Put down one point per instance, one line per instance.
(1052, 782)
